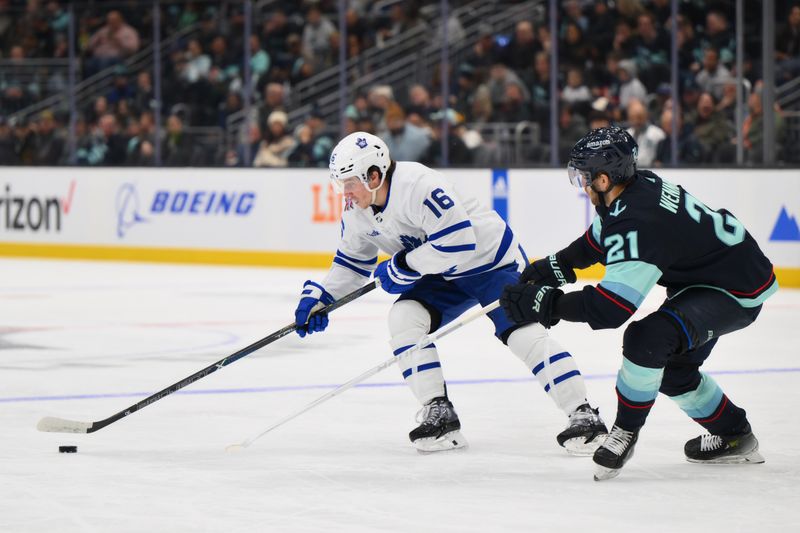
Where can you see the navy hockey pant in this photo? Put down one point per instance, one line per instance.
(664, 352)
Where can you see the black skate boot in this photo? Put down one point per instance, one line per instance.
(439, 427)
(585, 431)
(614, 453)
(724, 449)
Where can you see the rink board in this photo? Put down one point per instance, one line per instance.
(291, 217)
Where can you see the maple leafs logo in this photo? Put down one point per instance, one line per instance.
(361, 142)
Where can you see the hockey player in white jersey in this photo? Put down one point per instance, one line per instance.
(448, 253)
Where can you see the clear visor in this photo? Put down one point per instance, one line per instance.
(346, 185)
(579, 178)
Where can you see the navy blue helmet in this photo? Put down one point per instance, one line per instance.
(609, 150)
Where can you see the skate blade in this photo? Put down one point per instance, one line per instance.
(750, 458)
(451, 441)
(602, 473)
(579, 447)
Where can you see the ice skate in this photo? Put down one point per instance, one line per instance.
(614, 453)
(439, 428)
(724, 449)
(585, 431)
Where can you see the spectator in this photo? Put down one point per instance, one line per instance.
(15, 91)
(714, 75)
(522, 47)
(727, 104)
(104, 146)
(458, 154)
(481, 106)
(576, 93)
(379, 97)
(514, 106)
(623, 39)
(231, 105)
(787, 47)
(316, 35)
(121, 90)
(753, 130)
(719, 36)
(112, 43)
(140, 149)
(598, 119)
(484, 52)
(574, 51)
(650, 49)
(273, 151)
(313, 144)
(572, 128)
(177, 146)
(647, 135)
(49, 142)
(712, 130)
(689, 149)
(630, 87)
(143, 92)
(260, 61)
(600, 33)
(501, 76)
(406, 142)
(419, 102)
(196, 64)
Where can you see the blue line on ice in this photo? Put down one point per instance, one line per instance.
(248, 390)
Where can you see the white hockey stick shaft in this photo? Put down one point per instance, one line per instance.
(433, 337)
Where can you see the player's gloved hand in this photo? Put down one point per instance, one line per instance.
(550, 271)
(313, 297)
(525, 303)
(395, 275)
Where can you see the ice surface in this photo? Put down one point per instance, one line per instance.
(84, 340)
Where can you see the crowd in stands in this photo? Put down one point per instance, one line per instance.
(613, 67)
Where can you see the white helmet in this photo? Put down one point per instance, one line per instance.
(355, 155)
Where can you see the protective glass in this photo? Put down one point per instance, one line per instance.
(579, 178)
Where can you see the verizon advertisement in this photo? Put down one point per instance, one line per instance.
(297, 211)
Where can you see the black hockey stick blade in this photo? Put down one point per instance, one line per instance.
(63, 425)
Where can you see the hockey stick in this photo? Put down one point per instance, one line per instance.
(369, 373)
(62, 425)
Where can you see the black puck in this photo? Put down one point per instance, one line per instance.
(67, 449)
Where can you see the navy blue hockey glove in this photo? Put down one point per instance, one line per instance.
(395, 275)
(524, 303)
(548, 271)
(313, 297)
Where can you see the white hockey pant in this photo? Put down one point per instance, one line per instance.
(409, 322)
(552, 365)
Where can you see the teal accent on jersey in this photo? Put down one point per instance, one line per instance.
(638, 383)
(631, 279)
(703, 401)
(597, 227)
(744, 302)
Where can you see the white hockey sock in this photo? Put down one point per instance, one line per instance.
(552, 365)
(409, 322)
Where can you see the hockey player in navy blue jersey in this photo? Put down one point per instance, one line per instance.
(448, 253)
(649, 231)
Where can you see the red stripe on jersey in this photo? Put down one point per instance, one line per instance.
(601, 291)
(761, 288)
(591, 243)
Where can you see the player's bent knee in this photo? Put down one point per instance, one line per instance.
(651, 341)
(408, 318)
